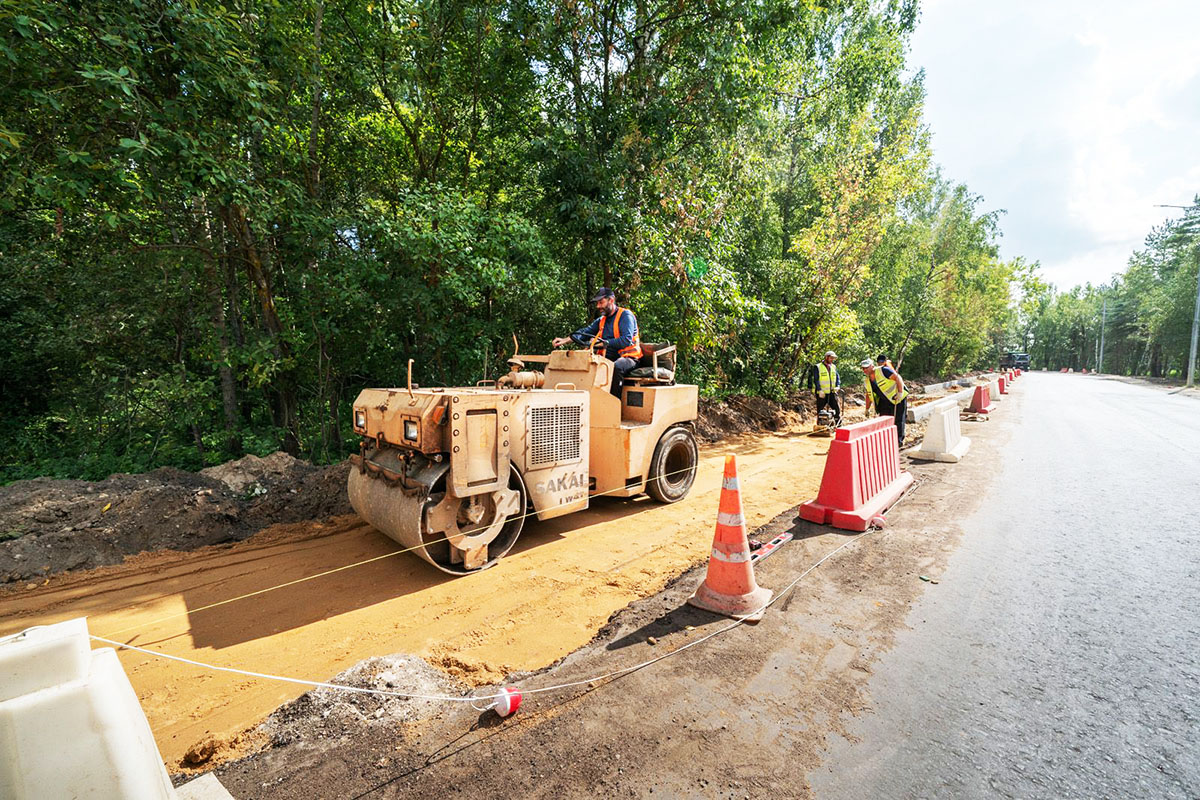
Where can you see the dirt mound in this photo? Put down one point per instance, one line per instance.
(247, 475)
(324, 712)
(744, 414)
(49, 526)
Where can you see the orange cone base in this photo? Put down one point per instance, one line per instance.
(750, 605)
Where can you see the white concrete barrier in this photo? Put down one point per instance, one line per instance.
(958, 383)
(923, 411)
(943, 435)
(70, 723)
(938, 388)
(963, 398)
(206, 787)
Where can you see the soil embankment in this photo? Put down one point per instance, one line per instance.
(50, 526)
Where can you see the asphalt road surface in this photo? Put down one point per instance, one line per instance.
(1059, 654)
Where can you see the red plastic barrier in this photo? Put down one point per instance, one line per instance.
(1063, 370)
(981, 401)
(1018, 372)
(862, 476)
(1003, 381)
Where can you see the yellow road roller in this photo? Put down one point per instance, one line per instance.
(452, 473)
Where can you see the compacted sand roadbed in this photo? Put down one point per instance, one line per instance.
(548, 597)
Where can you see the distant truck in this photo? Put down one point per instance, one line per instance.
(1015, 361)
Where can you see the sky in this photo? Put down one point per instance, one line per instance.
(1076, 118)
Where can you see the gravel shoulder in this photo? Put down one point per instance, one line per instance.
(1169, 385)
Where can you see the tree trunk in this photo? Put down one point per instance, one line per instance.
(335, 417)
(286, 396)
(916, 315)
(198, 440)
(903, 348)
(216, 299)
(314, 167)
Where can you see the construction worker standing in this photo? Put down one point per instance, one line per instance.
(870, 393)
(617, 330)
(825, 381)
(891, 398)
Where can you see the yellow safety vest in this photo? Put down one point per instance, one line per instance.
(827, 374)
(887, 387)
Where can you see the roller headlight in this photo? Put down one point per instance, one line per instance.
(360, 419)
(410, 430)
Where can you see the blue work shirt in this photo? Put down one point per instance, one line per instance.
(613, 344)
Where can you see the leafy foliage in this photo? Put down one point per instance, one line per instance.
(219, 222)
(1146, 311)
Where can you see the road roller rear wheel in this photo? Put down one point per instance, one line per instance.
(673, 468)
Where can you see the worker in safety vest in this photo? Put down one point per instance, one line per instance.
(873, 395)
(891, 398)
(616, 330)
(870, 394)
(825, 381)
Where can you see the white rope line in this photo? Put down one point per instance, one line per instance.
(280, 678)
(364, 562)
(475, 698)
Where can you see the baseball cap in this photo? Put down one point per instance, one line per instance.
(829, 353)
(866, 362)
(602, 293)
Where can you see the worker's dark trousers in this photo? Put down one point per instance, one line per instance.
(830, 399)
(899, 412)
(621, 367)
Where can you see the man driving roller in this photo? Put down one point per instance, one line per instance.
(617, 329)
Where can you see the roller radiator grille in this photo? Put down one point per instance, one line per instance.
(554, 435)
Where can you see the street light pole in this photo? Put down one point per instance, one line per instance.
(1103, 320)
(1191, 379)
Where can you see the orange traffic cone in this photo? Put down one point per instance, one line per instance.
(729, 587)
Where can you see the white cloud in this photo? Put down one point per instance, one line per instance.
(1077, 117)
(1095, 266)
(1127, 88)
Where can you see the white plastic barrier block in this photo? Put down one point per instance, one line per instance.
(41, 658)
(70, 722)
(943, 435)
(994, 390)
(206, 787)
